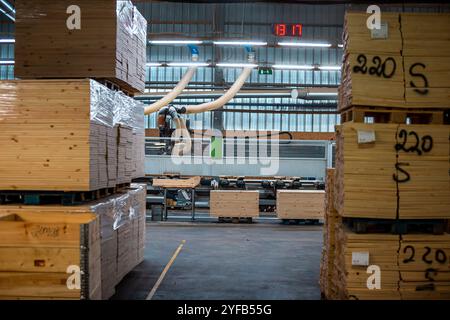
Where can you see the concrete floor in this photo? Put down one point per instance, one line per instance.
(227, 261)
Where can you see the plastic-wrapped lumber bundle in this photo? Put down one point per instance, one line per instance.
(50, 43)
(130, 129)
(56, 135)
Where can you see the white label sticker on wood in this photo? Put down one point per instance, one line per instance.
(366, 136)
(360, 259)
(381, 33)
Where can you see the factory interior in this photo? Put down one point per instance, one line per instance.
(224, 150)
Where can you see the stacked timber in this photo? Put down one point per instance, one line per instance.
(351, 277)
(396, 67)
(68, 252)
(234, 204)
(361, 84)
(384, 178)
(70, 149)
(424, 264)
(300, 204)
(64, 135)
(329, 239)
(426, 55)
(392, 185)
(49, 43)
(412, 266)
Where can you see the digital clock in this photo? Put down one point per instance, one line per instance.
(287, 29)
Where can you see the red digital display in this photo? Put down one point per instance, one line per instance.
(287, 29)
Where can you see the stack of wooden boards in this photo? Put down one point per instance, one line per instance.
(68, 135)
(329, 246)
(404, 64)
(411, 266)
(234, 204)
(392, 184)
(300, 204)
(110, 42)
(386, 178)
(71, 252)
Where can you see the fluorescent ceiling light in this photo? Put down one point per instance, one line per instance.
(10, 7)
(292, 66)
(240, 43)
(305, 44)
(237, 65)
(188, 64)
(340, 45)
(7, 14)
(7, 40)
(175, 42)
(153, 64)
(7, 61)
(330, 68)
(328, 94)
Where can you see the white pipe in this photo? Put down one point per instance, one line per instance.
(156, 106)
(230, 94)
(184, 146)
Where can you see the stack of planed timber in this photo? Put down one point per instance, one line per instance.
(110, 44)
(426, 54)
(64, 135)
(424, 264)
(41, 247)
(408, 68)
(234, 204)
(350, 281)
(413, 266)
(329, 246)
(365, 182)
(300, 204)
(393, 172)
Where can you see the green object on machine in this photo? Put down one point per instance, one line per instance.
(216, 148)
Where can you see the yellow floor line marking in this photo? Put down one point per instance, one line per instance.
(166, 269)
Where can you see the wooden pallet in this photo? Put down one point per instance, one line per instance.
(363, 114)
(58, 197)
(235, 220)
(428, 226)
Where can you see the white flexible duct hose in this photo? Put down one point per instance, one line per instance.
(156, 106)
(230, 94)
(183, 147)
